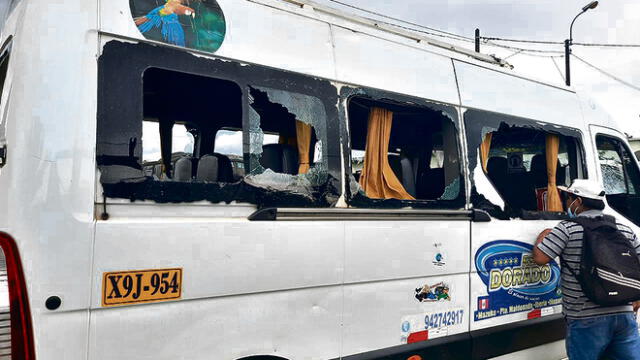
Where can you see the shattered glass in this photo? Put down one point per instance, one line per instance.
(306, 109)
(612, 172)
(256, 139)
(451, 191)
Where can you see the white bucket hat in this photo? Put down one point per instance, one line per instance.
(585, 188)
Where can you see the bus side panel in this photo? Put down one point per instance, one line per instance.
(492, 90)
(51, 136)
(365, 60)
(247, 288)
(387, 265)
(255, 33)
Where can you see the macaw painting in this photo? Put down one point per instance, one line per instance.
(195, 24)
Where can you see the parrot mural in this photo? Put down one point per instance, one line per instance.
(166, 18)
(196, 24)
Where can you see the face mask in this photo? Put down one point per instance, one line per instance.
(570, 212)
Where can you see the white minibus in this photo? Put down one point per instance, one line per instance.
(274, 179)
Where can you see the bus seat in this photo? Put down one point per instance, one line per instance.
(538, 172)
(430, 184)
(408, 175)
(183, 170)
(497, 172)
(396, 166)
(215, 168)
(403, 169)
(280, 158)
(157, 171)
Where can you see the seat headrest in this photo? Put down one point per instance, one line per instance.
(497, 165)
(280, 158)
(183, 169)
(208, 169)
(539, 164)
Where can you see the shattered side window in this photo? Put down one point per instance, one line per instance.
(521, 163)
(287, 131)
(195, 130)
(402, 155)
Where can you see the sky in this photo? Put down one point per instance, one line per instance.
(613, 21)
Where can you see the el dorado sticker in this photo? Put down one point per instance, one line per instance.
(514, 282)
(194, 24)
(141, 286)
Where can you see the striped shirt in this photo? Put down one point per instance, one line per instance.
(565, 241)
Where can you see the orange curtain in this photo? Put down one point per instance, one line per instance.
(286, 140)
(378, 180)
(553, 197)
(303, 137)
(485, 146)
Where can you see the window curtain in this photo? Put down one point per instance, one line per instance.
(485, 146)
(303, 137)
(377, 179)
(553, 197)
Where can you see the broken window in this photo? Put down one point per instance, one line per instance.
(287, 131)
(402, 152)
(215, 130)
(620, 176)
(526, 165)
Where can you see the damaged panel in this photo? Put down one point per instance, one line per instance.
(191, 93)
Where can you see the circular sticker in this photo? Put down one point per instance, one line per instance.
(194, 24)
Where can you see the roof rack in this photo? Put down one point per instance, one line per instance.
(398, 31)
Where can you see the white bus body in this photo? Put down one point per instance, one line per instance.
(337, 279)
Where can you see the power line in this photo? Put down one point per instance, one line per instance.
(403, 21)
(606, 73)
(560, 42)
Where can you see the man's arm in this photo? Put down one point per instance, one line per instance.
(551, 243)
(539, 257)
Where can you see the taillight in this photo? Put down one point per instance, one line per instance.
(16, 332)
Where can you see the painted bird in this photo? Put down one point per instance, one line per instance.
(166, 18)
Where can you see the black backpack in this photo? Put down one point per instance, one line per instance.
(609, 267)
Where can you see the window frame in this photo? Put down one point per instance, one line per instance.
(493, 120)
(347, 93)
(121, 112)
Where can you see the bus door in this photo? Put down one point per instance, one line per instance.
(516, 166)
(618, 172)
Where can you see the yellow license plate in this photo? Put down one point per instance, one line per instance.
(141, 286)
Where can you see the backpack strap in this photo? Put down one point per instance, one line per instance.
(592, 223)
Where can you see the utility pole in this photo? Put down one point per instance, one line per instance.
(567, 61)
(569, 42)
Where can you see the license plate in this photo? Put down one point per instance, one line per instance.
(141, 286)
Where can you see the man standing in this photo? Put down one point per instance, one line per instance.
(592, 329)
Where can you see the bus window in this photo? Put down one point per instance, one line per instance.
(405, 153)
(185, 114)
(620, 176)
(515, 160)
(286, 129)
